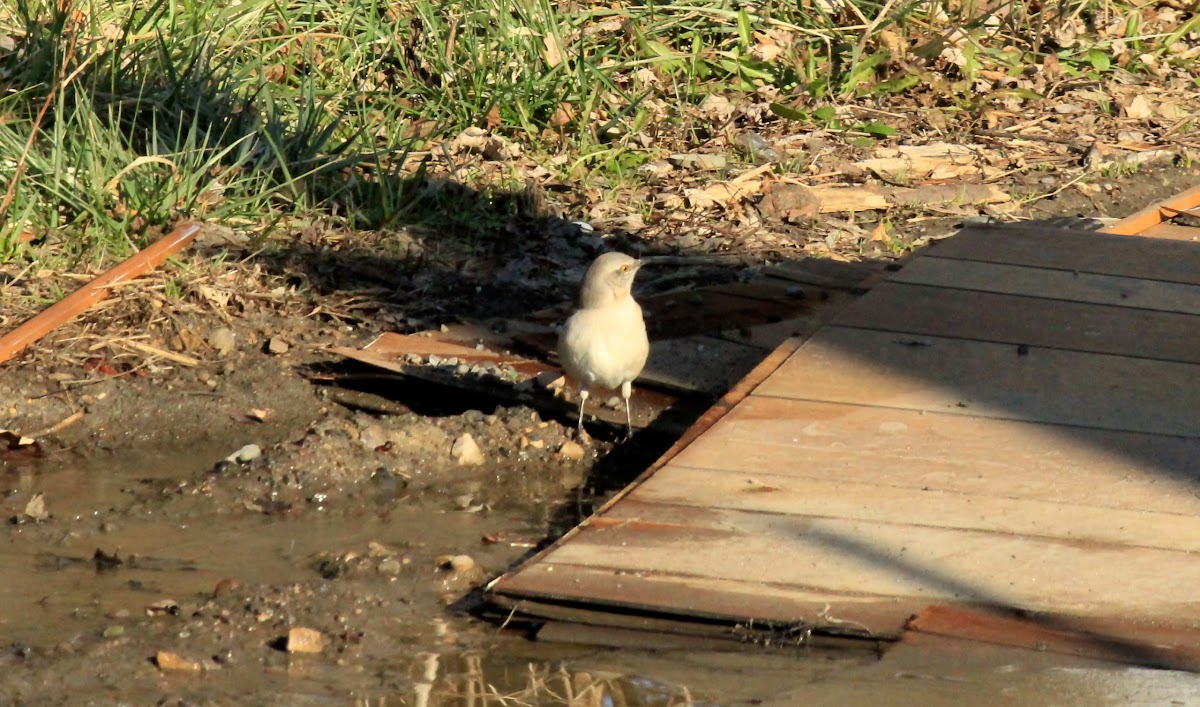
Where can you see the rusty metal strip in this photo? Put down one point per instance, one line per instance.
(1122, 641)
(1138, 223)
(98, 289)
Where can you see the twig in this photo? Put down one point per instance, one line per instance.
(1004, 134)
(181, 359)
(62, 425)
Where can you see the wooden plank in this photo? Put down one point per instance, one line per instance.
(1172, 231)
(888, 560)
(807, 495)
(1139, 222)
(1028, 321)
(1116, 640)
(1076, 251)
(826, 272)
(992, 380)
(959, 454)
(739, 392)
(1051, 284)
(639, 599)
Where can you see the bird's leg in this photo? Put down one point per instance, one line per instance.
(626, 392)
(583, 396)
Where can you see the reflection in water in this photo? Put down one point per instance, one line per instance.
(483, 680)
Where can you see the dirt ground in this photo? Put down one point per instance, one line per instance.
(147, 563)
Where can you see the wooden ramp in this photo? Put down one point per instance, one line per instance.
(1009, 424)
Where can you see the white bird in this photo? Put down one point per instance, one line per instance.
(604, 343)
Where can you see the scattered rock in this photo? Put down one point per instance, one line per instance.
(248, 453)
(168, 661)
(466, 451)
(305, 640)
(373, 436)
(114, 632)
(223, 340)
(278, 346)
(35, 510)
(163, 607)
(390, 566)
(571, 450)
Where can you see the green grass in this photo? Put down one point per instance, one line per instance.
(118, 118)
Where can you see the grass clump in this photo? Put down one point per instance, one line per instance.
(118, 118)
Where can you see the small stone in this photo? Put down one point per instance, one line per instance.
(571, 450)
(373, 436)
(248, 453)
(114, 632)
(35, 510)
(457, 563)
(390, 566)
(466, 451)
(163, 607)
(166, 660)
(305, 640)
(537, 443)
(222, 340)
(277, 345)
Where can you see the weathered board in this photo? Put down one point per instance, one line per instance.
(1008, 424)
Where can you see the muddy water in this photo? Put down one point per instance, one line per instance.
(78, 633)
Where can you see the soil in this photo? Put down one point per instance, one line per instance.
(164, 570)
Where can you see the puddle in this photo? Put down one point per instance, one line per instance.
(392, 641)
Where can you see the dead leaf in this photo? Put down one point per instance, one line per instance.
(553, 54)
(1140, 108)
(879, 234)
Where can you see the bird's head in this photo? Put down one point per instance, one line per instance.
(608, 280)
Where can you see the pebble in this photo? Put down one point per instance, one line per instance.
(390, 566)
(222, 340)
(277, 345)
(166, 660)
(305, 640)
(114, 632)
(373, 436)
(246, 454)
(571, 450)
(466, 451)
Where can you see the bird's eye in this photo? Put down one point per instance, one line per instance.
(624, 268)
